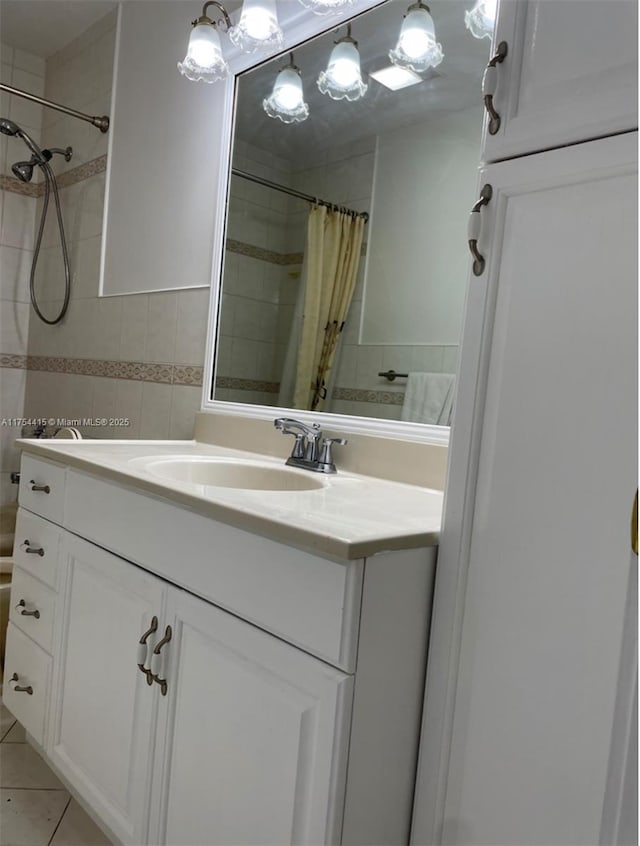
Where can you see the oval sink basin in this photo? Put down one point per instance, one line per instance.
(230, 473)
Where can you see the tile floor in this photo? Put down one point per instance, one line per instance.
(35, 808)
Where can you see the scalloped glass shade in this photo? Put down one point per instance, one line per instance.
(417, 48)
(325, 7)
(204, 61)
(258, 28)
(287, 99)
(481, 19)
(342, 79)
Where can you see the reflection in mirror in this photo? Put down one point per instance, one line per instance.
(345, 254)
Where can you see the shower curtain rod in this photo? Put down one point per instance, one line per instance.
(100, 122)
(292, 193)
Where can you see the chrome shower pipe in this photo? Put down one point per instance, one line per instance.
(101, 122)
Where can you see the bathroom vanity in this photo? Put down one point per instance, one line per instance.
(212, 664)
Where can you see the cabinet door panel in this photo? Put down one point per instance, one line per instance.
(548, 547)
(255, 735)
(570, 73)
(105, 711)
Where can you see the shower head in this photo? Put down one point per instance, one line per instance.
(8, 127)
(24, 170)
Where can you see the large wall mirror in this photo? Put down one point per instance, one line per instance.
(321, 301)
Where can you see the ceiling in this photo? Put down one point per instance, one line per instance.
(44, 27)
(454, 85)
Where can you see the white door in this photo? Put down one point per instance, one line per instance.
(570, 73)
(255, 736)
(542, 536)
(104, 709)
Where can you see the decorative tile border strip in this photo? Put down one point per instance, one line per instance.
(137, 371)
(15, 362)
(260, 253)
(247, 385)
(82, 172)
(358, 395)
(15, 186)
(350, 394)
(65, 180)
(172, 374)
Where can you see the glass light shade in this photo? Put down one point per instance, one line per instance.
(342, 79)
(287, 99)
(258, 27)
(417, 48)
(481, 19)
(325, 7)
(204, 61)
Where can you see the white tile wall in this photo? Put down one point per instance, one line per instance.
(163, 328)
(17, 218)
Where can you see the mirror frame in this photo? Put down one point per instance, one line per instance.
(300, 26)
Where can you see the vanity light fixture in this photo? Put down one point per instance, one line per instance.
(258, 28)
(325, 7)
(204, 60)
(342, 79)
(286, 101)
(417, 48)
(481, 19)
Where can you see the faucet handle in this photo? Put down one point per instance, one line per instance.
(326, 457)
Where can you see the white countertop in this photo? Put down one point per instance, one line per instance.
(350, 516)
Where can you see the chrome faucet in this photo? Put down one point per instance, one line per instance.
(305, 452)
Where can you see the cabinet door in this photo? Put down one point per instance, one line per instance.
(104, 710)
(544, 541)
(570, 73)
(255, 736)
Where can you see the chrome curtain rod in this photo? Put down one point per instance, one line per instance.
(298, 194)
(100, 122)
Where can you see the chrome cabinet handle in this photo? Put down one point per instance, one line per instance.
(13, 684)
(22, 604)
(489, 85)
(41, 488)
(634, 524)
(32, 550)
(157, 661)
(143, 650)
(475, 227)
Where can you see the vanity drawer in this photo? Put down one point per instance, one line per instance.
(32, 608)
(32, 666)
(34, 533)
(307, 600)
(42, 487)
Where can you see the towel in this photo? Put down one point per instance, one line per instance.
(429, 398)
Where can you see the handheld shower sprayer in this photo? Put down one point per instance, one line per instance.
(8, 127)
(24, 172)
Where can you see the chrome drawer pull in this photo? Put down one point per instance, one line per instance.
(33, 550)
(13, 683)
(489, 85)
(143, 650)
(22, 604)
(157, 661)
(42, 488)
(474, 228)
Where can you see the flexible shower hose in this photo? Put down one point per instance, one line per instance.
(50, 181)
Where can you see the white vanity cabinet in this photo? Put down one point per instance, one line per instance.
(253, 735)
(103, 715)
(208, 686)
(570, 74)
(244, 742)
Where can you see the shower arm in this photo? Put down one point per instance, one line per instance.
(101, 122)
